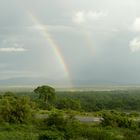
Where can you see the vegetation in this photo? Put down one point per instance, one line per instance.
(50, 115)
(46, 93)
(15, 110)
(105, 100)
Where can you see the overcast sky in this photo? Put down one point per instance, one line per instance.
(71, 41)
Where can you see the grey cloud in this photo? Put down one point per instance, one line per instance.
(96, 50)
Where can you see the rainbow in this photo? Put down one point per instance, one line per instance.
(44, 31)
(55, 47)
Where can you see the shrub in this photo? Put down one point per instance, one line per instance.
(16, 110)
(116, 120)
(51, 135)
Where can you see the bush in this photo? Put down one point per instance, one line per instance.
(51, 135)
(16, 110)
(56, 120)
(130, 135)
(94, 133)
(116, 120)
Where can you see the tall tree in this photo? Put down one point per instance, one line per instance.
(46, 93)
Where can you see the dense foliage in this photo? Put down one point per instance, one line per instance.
(21, 117)
(46, 93)
(15, 109)
(107, 100)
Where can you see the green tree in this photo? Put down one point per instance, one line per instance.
(10, 94)
(115, 119)
(67, 103)
(46, 93)
(56, 120)
(16, 110)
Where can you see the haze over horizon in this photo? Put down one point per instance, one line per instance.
(70, 42)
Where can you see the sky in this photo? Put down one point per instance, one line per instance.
(68, 42)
